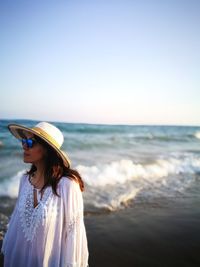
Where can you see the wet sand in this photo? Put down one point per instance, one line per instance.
(145, 235)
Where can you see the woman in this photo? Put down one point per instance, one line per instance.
(46, 228)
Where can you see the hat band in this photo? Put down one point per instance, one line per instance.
(46, 135)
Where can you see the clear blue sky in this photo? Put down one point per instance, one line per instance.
(101, 61)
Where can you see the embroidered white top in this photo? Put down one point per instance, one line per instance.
(50, 235)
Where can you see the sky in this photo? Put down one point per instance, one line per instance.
(101, 61)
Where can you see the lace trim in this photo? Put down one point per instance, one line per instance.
(31, 217)
(74, 222)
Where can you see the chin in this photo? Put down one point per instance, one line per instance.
(26, 161)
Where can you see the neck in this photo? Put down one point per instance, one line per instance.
(40, 168)
(38, 178)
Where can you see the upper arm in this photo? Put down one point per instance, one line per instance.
(71, 197)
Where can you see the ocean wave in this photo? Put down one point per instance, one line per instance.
(197, 135)
(113, 186)
(116, 200)
(165, 138)
(119, 172)
(10, 187)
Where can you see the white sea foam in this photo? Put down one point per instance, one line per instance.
(115, 200)
(197, 135)
(10, 186)
(112, 186)
(119, 172)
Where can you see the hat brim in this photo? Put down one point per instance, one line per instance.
(18, 131)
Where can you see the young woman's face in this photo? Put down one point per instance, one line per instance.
(33, 155)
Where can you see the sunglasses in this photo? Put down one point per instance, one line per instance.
(29, 142)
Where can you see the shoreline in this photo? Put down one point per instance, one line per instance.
(144, 235)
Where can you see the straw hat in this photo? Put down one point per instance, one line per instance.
(47, 132)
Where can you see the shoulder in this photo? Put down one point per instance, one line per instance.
(70, 192)
(24, 178)
(22, 182)
(68, 184)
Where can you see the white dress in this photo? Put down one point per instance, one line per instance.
(50, 235)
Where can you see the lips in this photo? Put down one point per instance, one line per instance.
(26, 154)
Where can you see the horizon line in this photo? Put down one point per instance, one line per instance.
(108, 124)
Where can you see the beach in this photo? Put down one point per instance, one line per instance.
(142, 191)
(144, 235)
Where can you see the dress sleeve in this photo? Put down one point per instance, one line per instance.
(22, 182)
(76, 251)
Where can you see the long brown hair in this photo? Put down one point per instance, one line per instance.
(55, 169)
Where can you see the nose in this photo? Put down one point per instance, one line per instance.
(24, 146)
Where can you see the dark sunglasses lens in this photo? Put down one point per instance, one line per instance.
(28, 142)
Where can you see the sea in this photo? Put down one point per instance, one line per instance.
(120, 164)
